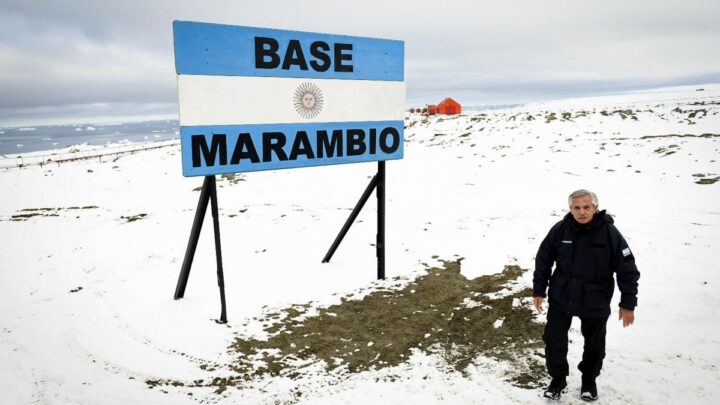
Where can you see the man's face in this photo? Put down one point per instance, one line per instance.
(582, 209)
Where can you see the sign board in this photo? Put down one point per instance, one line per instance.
(261, 99)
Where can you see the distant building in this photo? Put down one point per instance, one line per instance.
(449, 107)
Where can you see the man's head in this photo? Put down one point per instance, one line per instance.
(583, 205)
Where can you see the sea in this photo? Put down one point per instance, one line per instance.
(19, 140)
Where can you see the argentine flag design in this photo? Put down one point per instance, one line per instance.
(261, 99)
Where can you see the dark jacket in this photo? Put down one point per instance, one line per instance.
(586, 257)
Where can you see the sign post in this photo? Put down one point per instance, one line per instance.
(263, 99)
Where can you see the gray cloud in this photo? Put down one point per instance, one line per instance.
(59, 54)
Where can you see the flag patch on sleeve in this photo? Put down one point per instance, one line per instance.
(626, 252)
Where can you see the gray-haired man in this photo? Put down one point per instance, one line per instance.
(587, 250)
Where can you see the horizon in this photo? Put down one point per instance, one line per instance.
(85, 60)
(129, 118)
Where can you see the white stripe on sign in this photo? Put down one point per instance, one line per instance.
(227, 100)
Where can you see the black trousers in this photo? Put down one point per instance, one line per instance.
(556, 344)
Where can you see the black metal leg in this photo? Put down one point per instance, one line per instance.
(218, 252)
(194, 235)
(351, 219)
(380, 245)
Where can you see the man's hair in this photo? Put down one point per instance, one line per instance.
(582, 193)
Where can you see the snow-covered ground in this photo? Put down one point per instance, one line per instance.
(90, 254)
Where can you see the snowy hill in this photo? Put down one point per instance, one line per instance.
(91, 252)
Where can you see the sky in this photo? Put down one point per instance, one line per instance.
(96, 59)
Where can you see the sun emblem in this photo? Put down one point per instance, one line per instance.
(308, 100)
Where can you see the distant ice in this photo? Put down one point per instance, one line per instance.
(27, 129)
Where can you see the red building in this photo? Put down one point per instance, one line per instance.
(449, 107)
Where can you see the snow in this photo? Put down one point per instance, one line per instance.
(489, 197)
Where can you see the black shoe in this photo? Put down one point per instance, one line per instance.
(557, 387)
(588, 391)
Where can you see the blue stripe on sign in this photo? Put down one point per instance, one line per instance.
(227, 50)
(218, 149)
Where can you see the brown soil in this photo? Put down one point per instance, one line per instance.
(430, 314)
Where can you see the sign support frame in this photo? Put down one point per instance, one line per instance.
(207, 194)
(377, 183)
(222, 129)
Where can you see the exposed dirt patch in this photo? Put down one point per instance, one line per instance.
(133, 218)
(27, 213)
(232, 178)
(441, 313)
(240, 211)
(667, 151)
(681, 136)
(707, 180)
(624, 114)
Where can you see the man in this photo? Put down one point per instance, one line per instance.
(586, 249)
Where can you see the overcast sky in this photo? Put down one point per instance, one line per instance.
(77, 58)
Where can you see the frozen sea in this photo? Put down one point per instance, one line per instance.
(20, 140)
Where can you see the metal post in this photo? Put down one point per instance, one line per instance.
(351, 219)
(218, 253)
(194, 235)
(380, 245)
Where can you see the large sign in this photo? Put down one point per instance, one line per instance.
(260, 99)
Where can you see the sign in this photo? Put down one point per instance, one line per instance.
(261, 99)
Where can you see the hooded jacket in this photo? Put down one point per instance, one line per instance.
(586, 256)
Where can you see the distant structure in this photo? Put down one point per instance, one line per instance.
(449, 107)
(446, 107)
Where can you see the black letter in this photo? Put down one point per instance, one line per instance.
(270, 146)
(199, 144)
(244, 140)
(373, 140)
(294, 48)
(266, 47)
(306, 149)
(340, 56)
(315, 50)
(383, 140)
(356, 142)
(331, 147)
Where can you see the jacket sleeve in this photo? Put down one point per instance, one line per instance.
(626, 271)
(543, 264)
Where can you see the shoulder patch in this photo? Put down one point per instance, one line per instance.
(626, 252)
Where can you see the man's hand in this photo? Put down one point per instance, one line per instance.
(627, 316)
(538, 303)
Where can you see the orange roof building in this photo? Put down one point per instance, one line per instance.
(449, 107)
